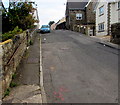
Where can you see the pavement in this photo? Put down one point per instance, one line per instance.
(28, 89)
(105, 40)
(78, 69)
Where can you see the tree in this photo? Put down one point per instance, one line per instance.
(51, 22)
(19, 14)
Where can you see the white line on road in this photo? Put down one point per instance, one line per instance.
(44, 99)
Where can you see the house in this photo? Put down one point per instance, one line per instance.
(114, 12)
(102, 18)
(53, 26)
(75, 15)
(90, 19)
(107, 13)
(35, 14)
(80, 17)
(114, 28)
(36, 17)
(61, 24)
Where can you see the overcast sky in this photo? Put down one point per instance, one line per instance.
(48, 10)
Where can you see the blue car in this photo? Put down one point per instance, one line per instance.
(45, 29)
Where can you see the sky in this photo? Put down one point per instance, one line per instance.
(48, 10)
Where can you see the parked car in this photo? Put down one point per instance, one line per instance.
(44, 29)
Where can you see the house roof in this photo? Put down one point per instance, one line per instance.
(61, 20)
(76, 5)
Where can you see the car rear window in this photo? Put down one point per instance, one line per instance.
(45, 26)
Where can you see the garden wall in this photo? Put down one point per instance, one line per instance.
(115, 31)
(11, 52)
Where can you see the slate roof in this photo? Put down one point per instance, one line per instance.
(76, 5)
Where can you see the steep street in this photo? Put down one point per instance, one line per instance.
(78, 69)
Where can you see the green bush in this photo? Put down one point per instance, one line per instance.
(11, 34)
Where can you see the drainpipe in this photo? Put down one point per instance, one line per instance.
(108, 25)
(69, 21)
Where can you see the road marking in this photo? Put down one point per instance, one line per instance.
(44, 99)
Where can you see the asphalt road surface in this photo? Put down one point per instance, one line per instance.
(77, 69)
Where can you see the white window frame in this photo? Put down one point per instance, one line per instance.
(101, 10)
(101, 27)
(79, 16)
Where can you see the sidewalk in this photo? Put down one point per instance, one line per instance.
(27, 77)
(105, 40)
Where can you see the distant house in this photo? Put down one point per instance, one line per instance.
(36, 17)
(75, 15)
(53, 26)
(35, 14)
(61, 24)
(107, 13)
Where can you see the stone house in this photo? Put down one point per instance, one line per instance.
(80, 17)
(75, 15)
(107, 13)
(90, 18)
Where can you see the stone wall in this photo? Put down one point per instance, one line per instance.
(115, 31)
(11, 52)
(90, 14)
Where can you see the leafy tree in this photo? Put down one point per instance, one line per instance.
(19, 14)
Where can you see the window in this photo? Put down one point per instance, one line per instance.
(101, 27)
(101, 10)
(79, 16)
(119, 5)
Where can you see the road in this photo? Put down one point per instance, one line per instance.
(78, 69)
